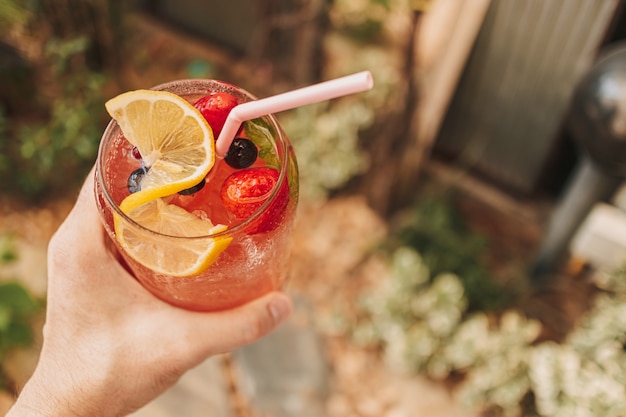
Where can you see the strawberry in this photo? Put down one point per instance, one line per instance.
(215, 108)
(244, 191)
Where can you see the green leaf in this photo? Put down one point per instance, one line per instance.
(262, 134)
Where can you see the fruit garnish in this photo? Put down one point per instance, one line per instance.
(194, 189)
(177, 150)
(174, 140)
(135, 178)
(135, 153)
(169, 255)
(215, 108)
(262, 134)
(243, 192)
(242, 153)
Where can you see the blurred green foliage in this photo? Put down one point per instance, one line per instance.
(441, 235)
(51, 114)
(18, 308)
(43, 158)
(422, 323)
(14, 12)
(362, 21)
(7, 252)
(500, 363)
(325, 139)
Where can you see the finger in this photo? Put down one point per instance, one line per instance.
(81, 232)
(85, 209)
(83, 218)
(79, 244)
(228, 330)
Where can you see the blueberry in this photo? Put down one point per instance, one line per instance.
(242, 153)
(194, 189)
(134, 180)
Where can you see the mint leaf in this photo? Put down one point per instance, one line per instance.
(262, 134)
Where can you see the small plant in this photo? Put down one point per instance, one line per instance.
(422, 324)
(13, 12)
(438, 232)
(363, 20)
(17, 307)
(586, 374)
(325, 138)
(17, 310)
(51, 113)
(50, 157)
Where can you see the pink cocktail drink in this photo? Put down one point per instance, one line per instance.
(255, 261)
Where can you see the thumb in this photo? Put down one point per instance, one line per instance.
(228, 330)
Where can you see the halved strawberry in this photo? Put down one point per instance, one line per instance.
(244, 191)
(215, 108)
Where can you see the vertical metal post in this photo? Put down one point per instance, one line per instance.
(589, 184)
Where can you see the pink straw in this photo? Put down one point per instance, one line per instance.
(355, 83)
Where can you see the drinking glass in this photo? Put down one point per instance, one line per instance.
(256, 261)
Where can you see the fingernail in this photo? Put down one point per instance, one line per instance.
(280, 308)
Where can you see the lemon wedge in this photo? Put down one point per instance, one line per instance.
(177, 146)
(175, 141)
(170, 255)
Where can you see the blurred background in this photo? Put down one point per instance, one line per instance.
(461, 235)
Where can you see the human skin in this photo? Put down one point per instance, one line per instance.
(109, 346)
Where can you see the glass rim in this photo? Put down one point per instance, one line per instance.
(281, 143)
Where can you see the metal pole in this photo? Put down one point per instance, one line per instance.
(588, 185)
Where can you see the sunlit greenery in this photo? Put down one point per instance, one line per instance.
(49, 155)
(51, 109)
(499, 362)
(18, 308)
(441, 235)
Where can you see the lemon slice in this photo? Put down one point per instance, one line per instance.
(174, 140)
(176, 144)
(170, 255)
